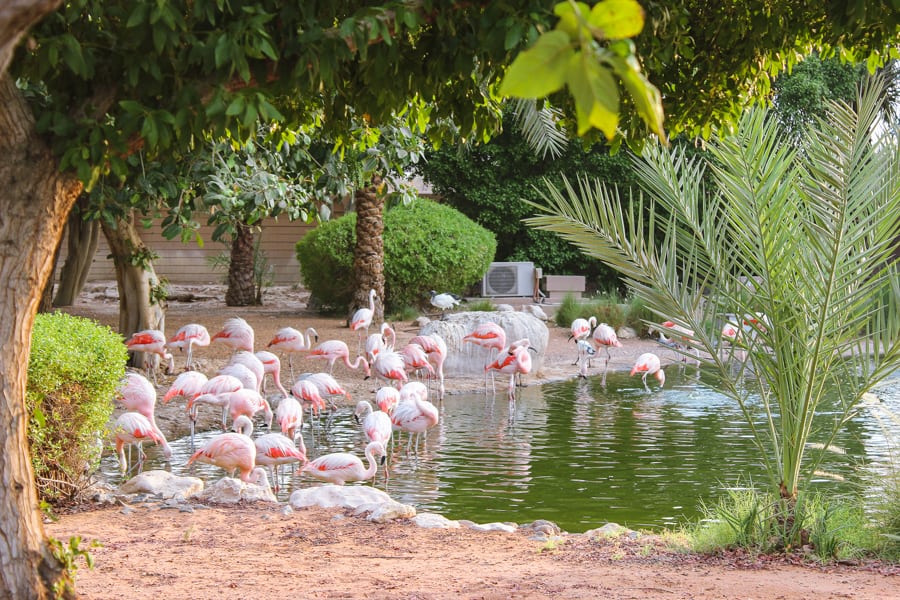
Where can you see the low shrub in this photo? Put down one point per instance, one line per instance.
(606, 308)
(74, 369)
(426, 246)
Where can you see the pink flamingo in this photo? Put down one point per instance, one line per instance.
(389, 365)
(648, 364)
(328, 385)
(362, 319)
(152, 342)
(244, 401)
(605, 336)
(138, 395)
(332, 350)
(376, 425)
(414, 414)
(680, 341)
(415, 359)
(243, 374)
(237, 334)
(271, 366)
(272, 449)
(189, 336)
(133, 429)
(187, 385)
(232, 452)
(387, 398)
(516, 361)
(377, 342)
(436, 349)
(491, 336)
(289, 415)
(290, 341)
(252, 362)
(341, 467)
(582, 329)
(307, 391)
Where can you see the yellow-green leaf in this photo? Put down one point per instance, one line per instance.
(617, 19)
(647, 99)
(596, 95)
(570, 21)
(540, 70)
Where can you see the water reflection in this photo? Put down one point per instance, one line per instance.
(580, 453)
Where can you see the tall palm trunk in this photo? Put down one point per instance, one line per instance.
(368, 255)
(139, 307)
(33, 207)
(241, 282)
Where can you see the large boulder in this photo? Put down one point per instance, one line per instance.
(162, 484)
(362, 499)
(468, 359)
(231, 491)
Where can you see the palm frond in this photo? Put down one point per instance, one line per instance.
(540, 127)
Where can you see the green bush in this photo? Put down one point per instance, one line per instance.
(606, 308)
(426, 246)
(74, 369)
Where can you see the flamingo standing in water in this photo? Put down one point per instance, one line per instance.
(252, 362)
(272, 449)
(271, 366)
(387, 398)
(232, 452)
(680, 341)
(332, 350)
(242, 373)
(133, 429)
(341, 467)
(307, 391)
(152, 342)
(192, 334)
(138, 395)
(220, 384)
(289, 414)
(413, 414)
(376, 424)
(605, 336)
(436, 349)
(487, 335)
(389, 365)
(648, 364)
(378, 342)
(237, 334)
(516, 361)
(415, 359)
(188, 385)
(289, 341)
(362, 320)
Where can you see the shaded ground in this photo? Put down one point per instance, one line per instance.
(264, 551)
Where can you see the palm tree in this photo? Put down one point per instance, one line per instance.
(795, 246)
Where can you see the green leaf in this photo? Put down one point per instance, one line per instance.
(513, 36)
(570, 21)
(540, 70)
(236, 107)
(596, 94)
(647, 99)
(138, 16)
(617, 19)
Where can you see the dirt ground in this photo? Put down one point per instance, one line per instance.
(267, 550)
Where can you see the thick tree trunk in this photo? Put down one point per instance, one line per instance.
(81, 245)
(241, 281)
(368, 255)
(16, 16)
(34, 205)
(139, 306)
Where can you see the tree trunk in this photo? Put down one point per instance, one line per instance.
(140, 304)
(84, 236)
(368, 255)
(34, 205)
(241, 281)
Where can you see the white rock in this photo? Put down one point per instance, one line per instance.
(535, 311)
(230, 491)
(421, 322)
(434, 521)
(626, 333)
(505, 308)
(610, 530)
(163, 484)
(383, 512)
(504, 527)
(362, 499)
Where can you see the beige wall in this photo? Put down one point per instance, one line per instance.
(187, 263)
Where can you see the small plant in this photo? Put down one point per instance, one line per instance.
(606, 308)
(68, 555)
(402, 314)
(481, 306)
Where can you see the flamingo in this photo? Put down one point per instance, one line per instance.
(444, 302)
(237, 334)
(192, 334)
(232, 452)
(415, 359)
(515, 361)
(242, 373)
(387, 398)
(341, 467)
(413, 414)
(306, 391)
(187, 385)
(272, 449)
(681, 341)
(362, 319)
(138, 395)
(376, 424)
(376, 342)
(290, 341)
(272, 366)
(220, 384)
(487, 335)
(244, 401)
(389, 365)
(581, 330)
(153, 342)
(328, 385)
(648, 364)
(436, 349)
(289, 415)
(332, 350)
(605, 336)
(133, 429)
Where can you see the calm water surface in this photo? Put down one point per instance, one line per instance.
(577, 453)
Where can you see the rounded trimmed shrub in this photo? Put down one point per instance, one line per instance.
(74, 369)
(426, 246)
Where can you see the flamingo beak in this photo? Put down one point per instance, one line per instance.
(383, 459)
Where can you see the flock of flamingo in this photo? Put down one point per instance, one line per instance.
(239, 390)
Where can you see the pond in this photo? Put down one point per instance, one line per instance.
(577, 453)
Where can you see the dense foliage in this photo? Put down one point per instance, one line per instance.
(426, 246)
(73, 371)
(488, 184)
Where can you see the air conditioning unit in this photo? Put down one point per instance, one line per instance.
(509, 279)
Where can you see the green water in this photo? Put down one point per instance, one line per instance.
(577, 453)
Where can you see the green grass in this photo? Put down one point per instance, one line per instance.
(606, 307)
